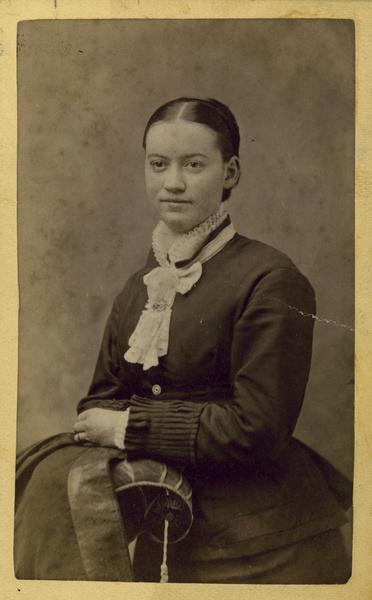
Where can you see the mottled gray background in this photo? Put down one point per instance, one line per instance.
(85, 89)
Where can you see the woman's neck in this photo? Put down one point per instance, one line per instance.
(203, 228)
(180, 246)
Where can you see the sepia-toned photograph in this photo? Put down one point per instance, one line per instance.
(185, 214)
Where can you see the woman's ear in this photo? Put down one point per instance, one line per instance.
(232, 173)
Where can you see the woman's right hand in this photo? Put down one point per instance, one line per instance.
(101, 426)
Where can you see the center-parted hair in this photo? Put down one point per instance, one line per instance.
(210, 112)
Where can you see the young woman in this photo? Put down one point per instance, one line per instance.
(203, 366)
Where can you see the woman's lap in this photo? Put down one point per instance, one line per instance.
(46, 548)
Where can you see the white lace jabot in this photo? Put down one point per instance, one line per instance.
(149, 341)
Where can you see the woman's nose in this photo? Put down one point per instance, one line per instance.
(174, 180)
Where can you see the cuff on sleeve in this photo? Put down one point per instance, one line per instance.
(162, 429)
(120, 428)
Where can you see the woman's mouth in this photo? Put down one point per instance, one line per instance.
(175, 200)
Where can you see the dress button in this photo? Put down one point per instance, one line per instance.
(156, 389)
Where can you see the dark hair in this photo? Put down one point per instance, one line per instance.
(210, 112)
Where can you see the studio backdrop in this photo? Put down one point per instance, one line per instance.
(85, 91)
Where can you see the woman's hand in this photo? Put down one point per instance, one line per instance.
(101, 426)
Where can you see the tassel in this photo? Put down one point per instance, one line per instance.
(164, 566)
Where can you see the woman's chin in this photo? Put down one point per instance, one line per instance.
(178, 223)
(182, 219)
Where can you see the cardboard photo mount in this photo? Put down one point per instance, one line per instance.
(12, 11)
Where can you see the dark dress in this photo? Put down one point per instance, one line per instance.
(221, 406)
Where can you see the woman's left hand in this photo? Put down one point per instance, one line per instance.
(101, 426)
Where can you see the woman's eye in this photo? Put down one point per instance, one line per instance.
(157, 165)
(194, 164)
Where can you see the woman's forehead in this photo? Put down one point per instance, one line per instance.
(181, 137)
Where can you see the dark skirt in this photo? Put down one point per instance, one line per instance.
(57, 539)
(321, 559)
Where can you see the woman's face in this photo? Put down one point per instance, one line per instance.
(185, 172)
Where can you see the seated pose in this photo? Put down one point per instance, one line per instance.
(203, 368)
